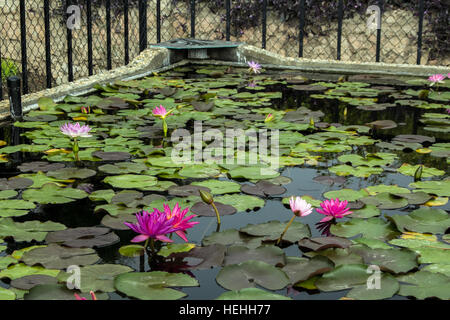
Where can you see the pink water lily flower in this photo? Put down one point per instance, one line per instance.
(254, 67)
(180, 222)
(77, 296)
(436, 78)
(269, 118)
(334, 209)
(75, 130)
(161, 112)
(153, 225)
(300, 207)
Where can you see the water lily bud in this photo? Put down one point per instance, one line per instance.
(269, 118)
(206, 196)
(418, 173)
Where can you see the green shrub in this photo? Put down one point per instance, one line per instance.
(9, 69)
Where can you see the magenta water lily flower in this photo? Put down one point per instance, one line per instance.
(77, 296)
(75, 130)
(180, 222)
(153, 225)
(300, 207)
(254, 67)
(334, 209)
(436, 78)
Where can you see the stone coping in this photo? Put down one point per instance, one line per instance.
(158, 60)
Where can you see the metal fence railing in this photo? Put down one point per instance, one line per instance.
(50, 42)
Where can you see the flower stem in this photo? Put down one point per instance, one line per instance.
(152, 245)
(217, 212)
(164, 127)
(75, 150)
(286, 229)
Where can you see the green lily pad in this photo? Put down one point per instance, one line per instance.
(270, 254)
(251, 273)
(131, 181)
(371, 228)
(343, 277)
(241, 202)
(388, 287)
(98, 277)
(301, 269)
(219, 186)
(27, 231)
(271, 231)
(251, 294)
(232, 237)
(153, 285)
(422, 220)
(345, 194)
(52, 194)
(424, 284)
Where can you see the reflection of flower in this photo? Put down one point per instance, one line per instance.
(81, 298)
(300, 207)
(325, 227)
(254, 67)
(334, 209)
(75, 130)
(436, 78)
(251, 84)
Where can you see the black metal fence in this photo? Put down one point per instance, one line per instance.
(49, 42)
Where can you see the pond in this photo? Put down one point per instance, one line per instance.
(244, 143)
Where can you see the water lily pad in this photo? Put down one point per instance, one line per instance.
(53, 194)
(199, 171)
(410, 170)
(204, 257)
(98, 277)
(175, 248)
(424, 284)
(270, 254)
(58, 292)
(186, 191)
(219, 186)
(57, 257)
(438, 188)
(391, 260)
(343, 277)
(206, 210)
(71, 173)
(28, 282)
(131, 251)
(251, 294)
(37, 166)
(27, 231)
(422, 220)
(386, 201)
(118, 222)
(112, 156)
(232, 237)
(253, 173)
(368, 211)
(153, 285)
(345, 194)
(131, 181)
(271, 231)
(263, 188)
(83, 237)
(15, 183)
(371, 228)
(251, 273)
(322, 243)
(301, 269)
(388, 287)
(241, 202)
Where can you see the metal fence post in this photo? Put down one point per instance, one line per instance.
(264, 24)
(158, 21)
(126, 32)
(420, 32)
(228, 25)
(1, 75)
(142, 25)
(48, 56)
(15, 98)
(108, 35)
(339, 36)
(302, 28)
(69, 45)
(89, 37)
(23, 46)
(192, 18)
(380, 5)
